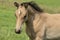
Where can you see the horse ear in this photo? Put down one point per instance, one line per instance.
(16, 4)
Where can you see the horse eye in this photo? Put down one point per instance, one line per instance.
(24, 17)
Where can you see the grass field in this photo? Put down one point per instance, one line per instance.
(7, 17)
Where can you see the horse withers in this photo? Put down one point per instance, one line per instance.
(39, 25)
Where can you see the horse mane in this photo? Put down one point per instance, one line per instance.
(33, 5)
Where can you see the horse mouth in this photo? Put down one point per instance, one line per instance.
(18, 31)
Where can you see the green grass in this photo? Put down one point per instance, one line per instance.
(7, 26)
(8, 20)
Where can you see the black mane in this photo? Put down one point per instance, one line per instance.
(33, 5)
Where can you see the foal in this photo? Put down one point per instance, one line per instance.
(39, 25)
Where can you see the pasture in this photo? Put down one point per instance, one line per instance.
(8, 20)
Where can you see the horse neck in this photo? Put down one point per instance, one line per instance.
(33, 16)
(35, 20)
(32, 10)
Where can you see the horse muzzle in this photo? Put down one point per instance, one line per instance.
(17, 31)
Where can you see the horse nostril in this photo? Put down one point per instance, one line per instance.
(18, 32)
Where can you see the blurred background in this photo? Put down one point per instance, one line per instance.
(8, 20)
